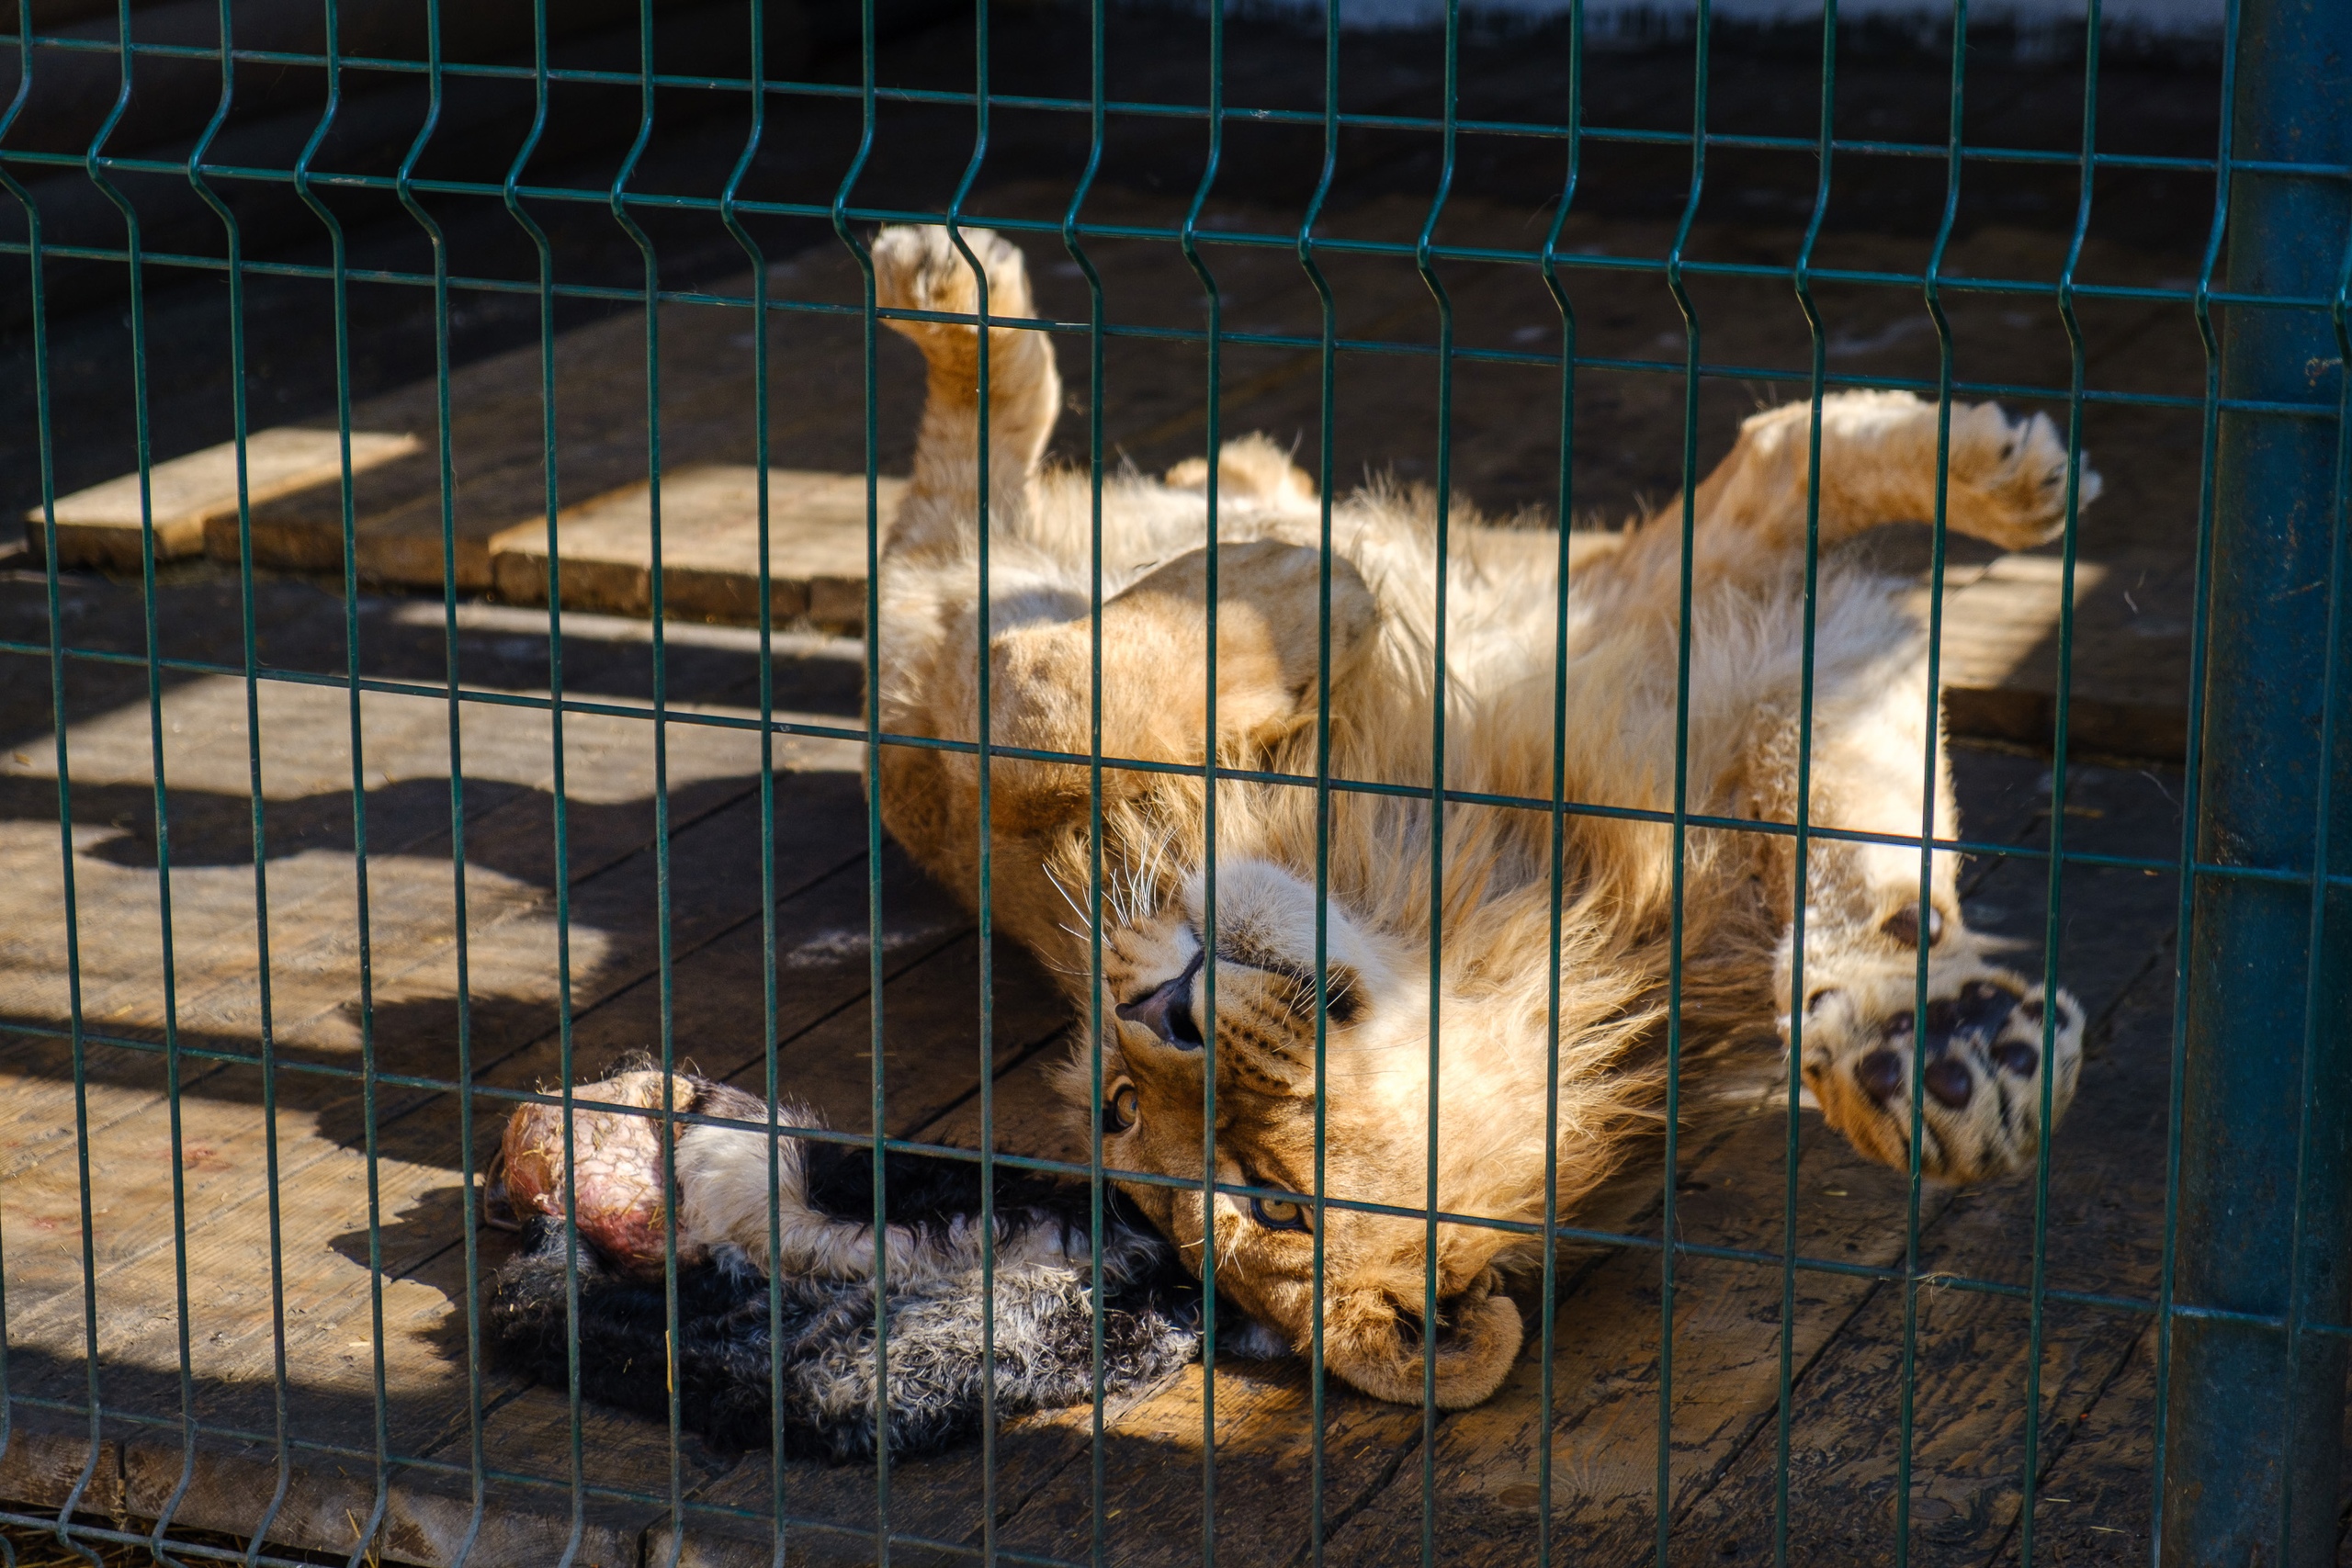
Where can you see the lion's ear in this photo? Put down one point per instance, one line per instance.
(1268, 637)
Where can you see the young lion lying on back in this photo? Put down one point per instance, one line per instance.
(1987, 1082)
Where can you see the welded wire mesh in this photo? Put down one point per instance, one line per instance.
(2235, 516)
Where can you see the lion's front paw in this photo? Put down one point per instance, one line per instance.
(1979, 1061)
(2009, 476)
(918, 267)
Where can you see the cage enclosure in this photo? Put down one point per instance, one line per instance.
(1096, 642)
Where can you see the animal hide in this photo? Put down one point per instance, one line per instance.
(808, 1336)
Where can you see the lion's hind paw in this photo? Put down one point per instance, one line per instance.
(2009, 476)
(917, 266)
(1979, 1066)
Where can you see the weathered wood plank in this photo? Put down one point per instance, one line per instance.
(2128, 673)
(498, 435)
(1971, 1349)
(322, 1178)
(710, 559)
(1607, 1363)
(49, 1453)
(102, 527)
(2092, 1497)
(2106, 1193)
(329, 1322)
(312, 878)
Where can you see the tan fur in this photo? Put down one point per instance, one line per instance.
(1871, 745)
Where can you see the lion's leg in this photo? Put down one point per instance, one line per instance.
(1155, 708)
(1249, 469)
(1980, 1059)
(919, 268)
(1154, 652)
(1879, 465)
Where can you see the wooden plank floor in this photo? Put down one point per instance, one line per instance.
(1476, 1470)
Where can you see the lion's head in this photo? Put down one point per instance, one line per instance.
(1159, 1038)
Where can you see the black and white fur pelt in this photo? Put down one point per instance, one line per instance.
(820, 1330)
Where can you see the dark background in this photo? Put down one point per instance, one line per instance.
(1891, 89)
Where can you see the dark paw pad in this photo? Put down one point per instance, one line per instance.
(1950, 1082)
(1974, 1015)
(1962, 1040)
(2017, 1058)
(1880, 1073)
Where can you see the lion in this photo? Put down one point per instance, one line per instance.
(1340, 1017)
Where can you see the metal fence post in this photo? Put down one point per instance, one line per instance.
(2254, 1410)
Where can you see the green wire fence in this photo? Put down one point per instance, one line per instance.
(2250, 1313)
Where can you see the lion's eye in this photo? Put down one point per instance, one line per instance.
(1121, 1107)
(1278, 1213)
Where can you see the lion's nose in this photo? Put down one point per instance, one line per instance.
(1168, 1012)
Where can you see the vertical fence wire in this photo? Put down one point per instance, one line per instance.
(47, 521)
(446, 482)
(772, 1085)
(2192, 802)
(983, 501)
(559, 797)
(69, 902)
(2054, 918)
(248, 627)
(1205, 1016)
(1676, 283)
(1424, 265)
(878, 1126)
(134, 246)
(1547, 1331)
(363, 1547)
(1801, 846)
(1097, 1189)
(1326, 322)
(664, 945)
(1931, 783)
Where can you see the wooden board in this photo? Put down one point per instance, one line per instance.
(2127, 669)
(710, 547)
(101, 527)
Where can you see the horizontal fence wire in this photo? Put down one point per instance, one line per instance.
(1987, 849)
(1593, 261)
(1046, 1164)
(1768, 374)
(1973, 153)
(178, 1046)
